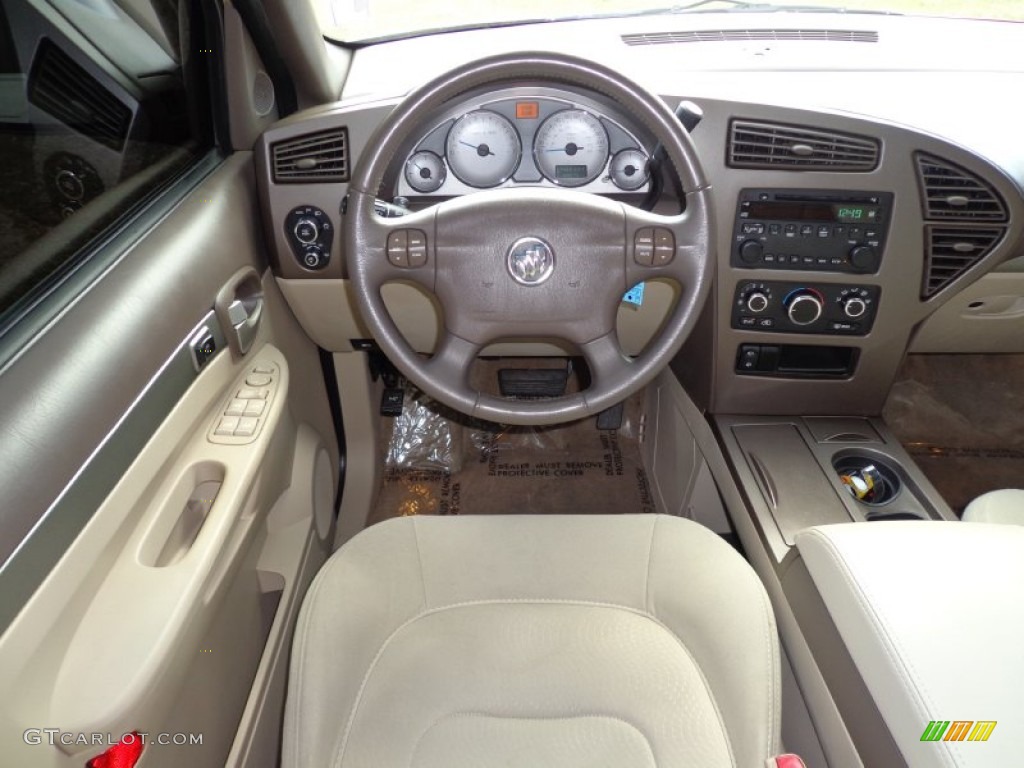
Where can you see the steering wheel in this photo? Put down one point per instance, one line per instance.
(528, 263)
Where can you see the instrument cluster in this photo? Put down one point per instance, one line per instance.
(525, 137)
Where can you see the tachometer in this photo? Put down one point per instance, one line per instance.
(483, 148)
(571, 148)
(425, 171)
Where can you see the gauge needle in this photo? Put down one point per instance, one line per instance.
(569, 149)
(481, 149)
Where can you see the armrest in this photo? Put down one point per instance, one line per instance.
(932, 616)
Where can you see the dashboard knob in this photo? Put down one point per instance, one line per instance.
(803, 307)
(757, 302)
(306, 231)
(751, 251)
(864, 258)
(314, 258)
(854, 306)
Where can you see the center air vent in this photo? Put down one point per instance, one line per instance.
(951, 251)
(950, 193)
(754, 144)
(746, 35)
(60, 86)
(313, 158)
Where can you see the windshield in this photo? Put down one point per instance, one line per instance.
(366, 20)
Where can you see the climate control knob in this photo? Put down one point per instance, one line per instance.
(756, 302)
(854, 306)
(804, 306)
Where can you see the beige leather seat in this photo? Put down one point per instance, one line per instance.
(527, 641)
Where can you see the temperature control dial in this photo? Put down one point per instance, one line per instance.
(804, 306)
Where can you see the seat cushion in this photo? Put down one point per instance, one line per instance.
(1005, 506)
(630, 640)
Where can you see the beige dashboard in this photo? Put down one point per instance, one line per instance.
(951, 216)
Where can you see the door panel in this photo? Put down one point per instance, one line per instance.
(158, 586)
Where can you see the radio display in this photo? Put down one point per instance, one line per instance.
(796, 211)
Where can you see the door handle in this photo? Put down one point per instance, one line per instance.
(239, 308)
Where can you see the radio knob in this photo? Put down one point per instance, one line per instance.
(751, 251)
(757, 302)
(306, 231)
(864, 258)
(854, 306)
(803, 307)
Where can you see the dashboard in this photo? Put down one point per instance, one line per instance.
(856, 215)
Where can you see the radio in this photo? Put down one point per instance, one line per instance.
(820, 230)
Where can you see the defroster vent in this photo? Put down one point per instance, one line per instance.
(761, 145)
(318, 158)
(752, 35)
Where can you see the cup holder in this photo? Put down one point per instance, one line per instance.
(869, 480)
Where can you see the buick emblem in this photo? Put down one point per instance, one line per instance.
(530, 261)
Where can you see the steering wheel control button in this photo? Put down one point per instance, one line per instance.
(417, 248)
(398, 248)
(309, 233)
(530, 261)
(643, 247)
(664, 246)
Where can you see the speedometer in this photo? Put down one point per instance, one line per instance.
(483, 148)
(571, 148)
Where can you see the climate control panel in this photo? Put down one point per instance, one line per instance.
(788, 307)
(310, 233)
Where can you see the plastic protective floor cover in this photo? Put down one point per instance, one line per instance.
(439, 463)
(962, 419)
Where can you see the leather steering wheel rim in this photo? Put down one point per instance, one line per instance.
(588, 248)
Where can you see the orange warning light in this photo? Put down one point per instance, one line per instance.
(527, 110)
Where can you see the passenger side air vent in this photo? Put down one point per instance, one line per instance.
(318, 158)
(950, 193)
(951, 251)
(745, 35)
(754, 144)
(63, 88)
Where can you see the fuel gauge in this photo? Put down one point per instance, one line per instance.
(629, 169)
(425, 172)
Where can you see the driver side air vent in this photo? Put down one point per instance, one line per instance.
(760, 145)
(315, 158)
(951, 251)
(950, 193)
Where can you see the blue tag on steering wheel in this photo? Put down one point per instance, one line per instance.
(635, 295)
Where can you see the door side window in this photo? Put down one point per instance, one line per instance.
(99, 108)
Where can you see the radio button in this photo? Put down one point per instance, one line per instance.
(753, 228)
(774, 229)
(790, 230)
(806, 230)
(824, 231)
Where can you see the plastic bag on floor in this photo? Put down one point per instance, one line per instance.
(423, 438)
